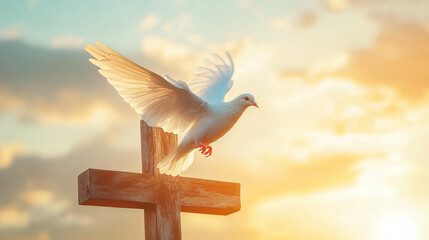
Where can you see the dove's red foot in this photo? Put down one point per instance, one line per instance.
(208, 152)
(202, 148)
(205, 150)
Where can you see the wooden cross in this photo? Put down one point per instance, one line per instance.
(162, 197)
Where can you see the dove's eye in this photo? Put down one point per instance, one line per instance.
(246, 98)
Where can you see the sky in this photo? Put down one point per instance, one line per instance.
(337, 150)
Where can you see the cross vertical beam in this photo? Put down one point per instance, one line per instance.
(163, 219)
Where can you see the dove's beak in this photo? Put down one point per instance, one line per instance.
(255, 104)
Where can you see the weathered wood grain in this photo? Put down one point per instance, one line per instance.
(208, 196)
(130, 190)
(117, 189)
(161, 196)
(162, 221)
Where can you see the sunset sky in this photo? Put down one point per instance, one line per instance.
(337, 150)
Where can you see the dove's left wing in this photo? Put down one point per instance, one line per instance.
(170, 105)
(213, 81)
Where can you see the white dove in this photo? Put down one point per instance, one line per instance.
(171, 105)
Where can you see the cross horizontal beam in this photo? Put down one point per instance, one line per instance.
(136, 190)
(162, 197)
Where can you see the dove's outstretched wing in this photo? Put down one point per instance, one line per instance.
(170, 105)
(213, 81)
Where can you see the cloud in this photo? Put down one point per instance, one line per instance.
(294, 149)
(165, 49)
(11, 32)
(179, 24)
(149, 22)
(302, 20)
(327, 215)
(41, 193)
(32, 3)
(412, 184)
(319, 173)
(306, 19)
(11, 217)
(42, 204)
(167, 27)
(9, 102)
(280, 23)
(398, 59)
(37, 205)
(338, 5)
(380, 189)
(79, 220)
(176, 58)
(9, 151)
(55, 86)
(194, 38)
(69, 42)
(38, 197)
(33, 206)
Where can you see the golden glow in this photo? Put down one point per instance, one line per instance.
(338, 147)
(9, 151)
(12, 217)
(337, 4)
(38, 197)
(397, 228)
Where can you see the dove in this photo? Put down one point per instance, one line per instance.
(197, 109)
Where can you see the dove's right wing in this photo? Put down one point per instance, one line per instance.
(213, 81)
(170, 105)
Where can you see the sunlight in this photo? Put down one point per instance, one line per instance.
(397, 228)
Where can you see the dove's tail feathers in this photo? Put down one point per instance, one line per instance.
(176, 162)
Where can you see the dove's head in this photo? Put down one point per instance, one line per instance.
(247, 100)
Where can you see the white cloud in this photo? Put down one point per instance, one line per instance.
(177, 59)
(149, 22)
(165, 49)
(9, 151)
(70, 42)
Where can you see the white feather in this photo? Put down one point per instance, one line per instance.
(213, 81)
(170, 105)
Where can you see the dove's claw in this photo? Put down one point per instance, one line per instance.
(208, 152)
(205, 150)
(202, 148)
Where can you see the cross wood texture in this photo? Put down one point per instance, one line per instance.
(162, 197)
